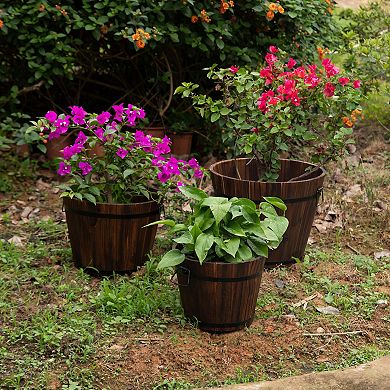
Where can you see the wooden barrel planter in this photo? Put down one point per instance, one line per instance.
(181, 143)
(238, 177)
(220, 296)
(110, 237)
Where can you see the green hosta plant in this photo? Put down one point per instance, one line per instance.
(231, 230)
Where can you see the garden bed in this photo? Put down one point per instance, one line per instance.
(62, 328)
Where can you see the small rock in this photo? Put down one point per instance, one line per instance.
(22, 202)
(16, 240)
(289, 317)
(382, 302)
(380, 255)
(320, 330)
(351, 148)
(116, 347)
(353, 191)
(279, 283)
(328, 310)
(26, 212)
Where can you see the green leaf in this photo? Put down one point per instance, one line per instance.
(250, 215)
(202, 245)
(224, 111)
(178, 228)
(171, 258)
(231, 246)
(42, 148)
(277, 202)
(258, 246)
(192, 192)
(279, 226)
(245, 252)
(127, 172)
(219, 211)
(215, 116)
(167, 222)
(185, 238)
(91, 198)
(235, 229)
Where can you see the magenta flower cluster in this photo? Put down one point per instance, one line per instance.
(106, 129)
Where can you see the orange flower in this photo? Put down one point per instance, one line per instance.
(330, 10)
(270, 15)
(204, 17)
(357, 112)
(273, 7)
(1, 24)
(147, 35)
(328, 2)
(41, 8)
(231, 3)
(140, 44)
(194, 19)
(347, 122)
(280, 9)
(321, 53)
(136, 37)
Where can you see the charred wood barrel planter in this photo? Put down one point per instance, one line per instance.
(110, 237)
(220, 296)
(238, 177)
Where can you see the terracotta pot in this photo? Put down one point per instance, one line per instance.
(181, 143)
(301, 198)
(111, 237)
(220, 296)
(157, 132)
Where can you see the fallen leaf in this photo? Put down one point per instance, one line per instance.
(327, 310)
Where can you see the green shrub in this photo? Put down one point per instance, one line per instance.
(92, 53)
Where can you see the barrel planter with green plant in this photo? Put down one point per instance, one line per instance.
(109, 196)
(284, 108)
(220, 257)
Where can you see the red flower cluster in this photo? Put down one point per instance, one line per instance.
(289, 90)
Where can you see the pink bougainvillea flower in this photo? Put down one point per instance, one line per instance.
(193, 163)
(70, 151)
(273, 49)
(140, 113)
(295, 99)
(85, 167)
(53, 135)
(234, 69)
(78, 114)
(274, 100)
(300, 72)
(270, 58)
(81, 138)
(62, 124)
(99, 132)
(142, 140)
(51, 116)
(198, 173)
(255, 130)
(356, 84)
(118, 109)
(330, 68)
(329, 89)
(103, 118)
(122, 153)
(291, 63)
(312, 80)
(64, 169)
(163, 175)
(344, 81)
(312, 68)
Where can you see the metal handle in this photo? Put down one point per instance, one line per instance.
(185, 271)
